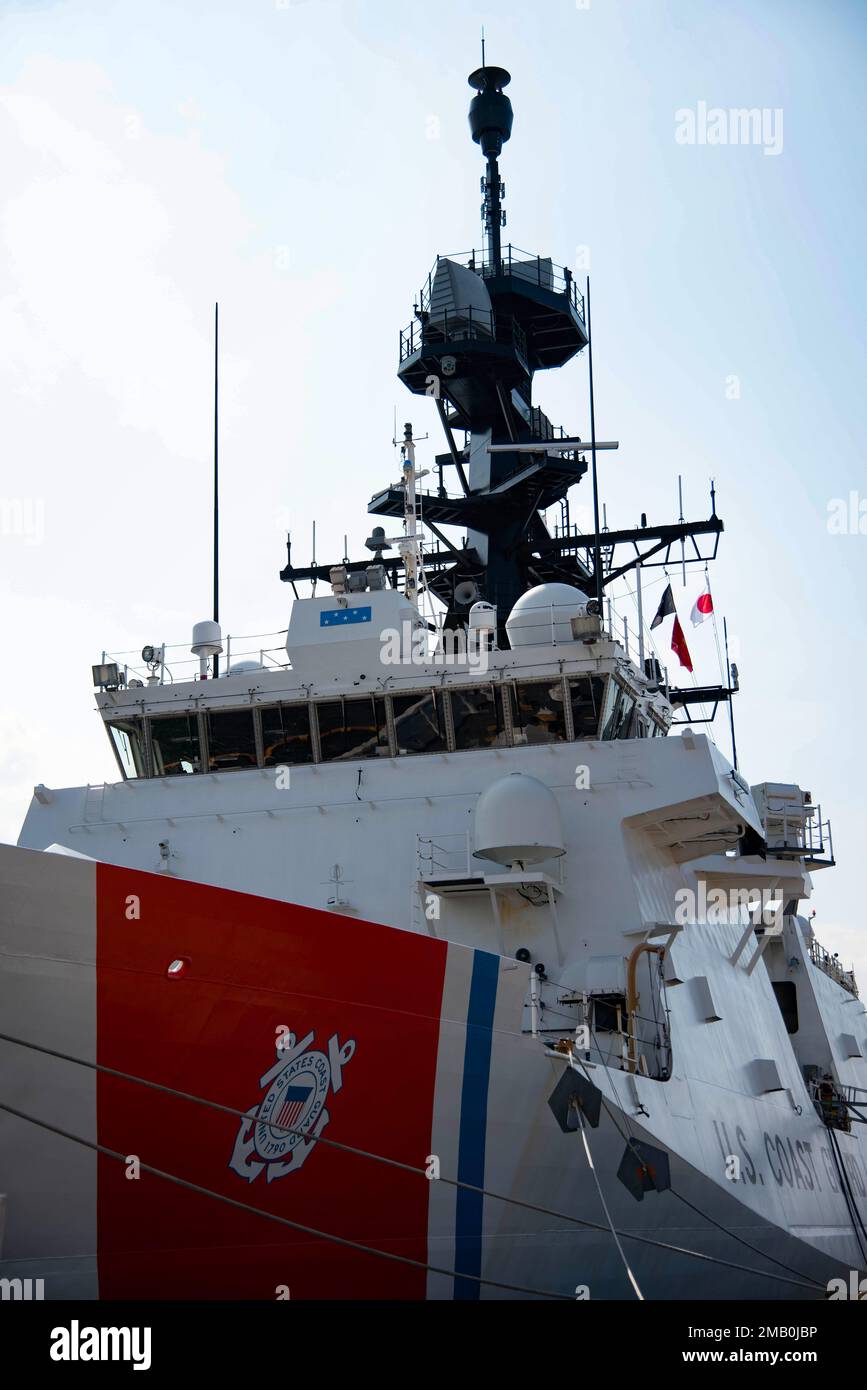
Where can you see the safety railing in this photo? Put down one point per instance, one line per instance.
(523, 265)
(831, 966)
(799, 832)
(450, 856)
(165, 667)
(469, 324)
(447, 856)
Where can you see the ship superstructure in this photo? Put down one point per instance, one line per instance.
(437, 885)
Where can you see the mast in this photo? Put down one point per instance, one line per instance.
(409, 544)
(491, 127)
(597, 553)
(485, 325)
(216, 478)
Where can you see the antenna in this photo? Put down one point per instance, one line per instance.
(731, 702)
(216, 479)
(597, 555)
(483, 45)
(491, 127)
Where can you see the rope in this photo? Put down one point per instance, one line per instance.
(631, 1277)
(846, 1188)
(391, 1162)
(281, 1220)
(627, 1137)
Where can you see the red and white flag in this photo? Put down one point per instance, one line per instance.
(702, 609)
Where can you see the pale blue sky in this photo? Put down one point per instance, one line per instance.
(304, 162)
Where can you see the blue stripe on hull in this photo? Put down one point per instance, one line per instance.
(474, 1121)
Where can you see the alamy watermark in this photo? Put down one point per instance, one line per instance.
(733, 125)
(855, 1289)
(23, 518)
(77, 1343)
(22, 1290)
(847, 516)
(455, 647)
(721, 905)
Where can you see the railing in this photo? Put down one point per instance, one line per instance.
(854, 1095)
(166, 668)
(800, 832)
(447, 855)
(649, 1052)
(836, 1105)
(541, 427)
(831, 966)
(523, 265)
(461, 325)
(450, 856)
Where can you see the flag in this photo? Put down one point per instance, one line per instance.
(702, 609)
(294, 1100)
(666, 607)
(678, 641)
(678, 645)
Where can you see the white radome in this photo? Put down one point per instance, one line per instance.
(543, 615)
(518, 821)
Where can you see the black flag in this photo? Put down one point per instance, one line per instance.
(666, 607)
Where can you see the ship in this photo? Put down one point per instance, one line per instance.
(436, 951)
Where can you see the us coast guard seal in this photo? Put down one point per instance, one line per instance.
(279, 1133)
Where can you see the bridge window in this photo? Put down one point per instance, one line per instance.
(286, 735)
(128, 739)
(175, 743)
(621, 717)
(419, 722)
(588, 697)
(477, 716)
(231, 739)
(353, 728)
(612, 712)
(538, 714)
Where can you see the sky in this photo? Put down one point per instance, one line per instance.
(303, 162)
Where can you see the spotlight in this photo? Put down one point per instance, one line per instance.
(106, 675)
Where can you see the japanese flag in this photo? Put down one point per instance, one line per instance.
(702, 609)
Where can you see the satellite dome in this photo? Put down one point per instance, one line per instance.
(517, 821)
(207, 639)
(242, 668)
(483, 617)
(542, 616)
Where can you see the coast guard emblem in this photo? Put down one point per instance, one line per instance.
(278, 1134)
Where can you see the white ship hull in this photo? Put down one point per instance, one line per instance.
(469, 1086)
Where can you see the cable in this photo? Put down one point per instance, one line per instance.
(755, 1249)
(846, 1188)
(811, 1283)
(281, 1220)
(390, 1162)
(632, 1279)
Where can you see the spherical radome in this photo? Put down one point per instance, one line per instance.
(542, 616)
(517, 820)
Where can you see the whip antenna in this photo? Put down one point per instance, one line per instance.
(216, 479)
